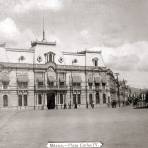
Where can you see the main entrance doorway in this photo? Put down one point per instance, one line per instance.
(51, 101)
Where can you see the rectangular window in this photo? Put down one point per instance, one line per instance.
(5, 100)
(76, 84)
(90, 99)
(25, 84)
(19, 100)
(97, 98)
(104, 98)
(79, 98)
(62, 84)
(22, 85)
(103, 85)
(40, 84)
(25, 100)
(61, 98)
(39, 99)
(74, 98)
(97, 85)
(90, 85)
(5, 85)
(50, 84)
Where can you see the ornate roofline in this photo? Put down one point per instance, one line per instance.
(34, 43)
(20, 50)
(81, 53)
(58, 67)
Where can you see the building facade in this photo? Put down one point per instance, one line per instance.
(43, 78)
(138, 97)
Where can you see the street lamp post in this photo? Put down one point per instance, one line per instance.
(118, 92)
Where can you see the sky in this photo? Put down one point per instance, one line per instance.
(116, 27)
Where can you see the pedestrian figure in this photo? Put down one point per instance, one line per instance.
(123, 103)
(65, 106)
(86, 105)
(75, 105)
(113, 104)
(92, 105)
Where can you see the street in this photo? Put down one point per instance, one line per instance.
(123, 127)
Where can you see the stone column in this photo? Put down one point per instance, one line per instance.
(101, 97)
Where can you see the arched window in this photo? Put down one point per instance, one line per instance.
(49, 57)
(5, 100)
(95, 61)
(21, 59)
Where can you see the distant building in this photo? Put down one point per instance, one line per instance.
(40, 77)
(139, 97)
(124, 92)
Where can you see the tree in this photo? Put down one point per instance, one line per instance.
(146, 97)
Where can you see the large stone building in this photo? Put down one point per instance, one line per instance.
(39, 78)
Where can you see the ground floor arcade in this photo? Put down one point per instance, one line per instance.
(52, 99)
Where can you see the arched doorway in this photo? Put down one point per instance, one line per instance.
(50, 100)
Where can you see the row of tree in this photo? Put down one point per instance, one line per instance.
(139, 101)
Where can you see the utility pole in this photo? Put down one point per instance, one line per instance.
(118, 92)
(86, 81)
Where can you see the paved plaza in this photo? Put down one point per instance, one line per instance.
(116, 128)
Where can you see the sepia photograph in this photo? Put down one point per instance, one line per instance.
(73, 74)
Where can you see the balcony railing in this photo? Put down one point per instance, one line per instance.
(40, 87)
(76, 87)
(51, 87)
(62, 87)
(98, 88)
(22, 88)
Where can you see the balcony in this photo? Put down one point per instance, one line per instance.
(40, 87)
(62, 87)
(52, 87)
(22, 87)
(76, 87)
(98, 88)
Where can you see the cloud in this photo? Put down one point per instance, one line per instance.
(84, 33)
(143, 65)
(29, 5)
(11, 34)
(8, 29)
(124, 63)
(127, 57)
